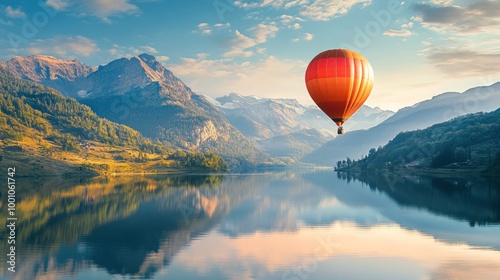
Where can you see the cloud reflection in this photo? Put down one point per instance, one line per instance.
(275, 252)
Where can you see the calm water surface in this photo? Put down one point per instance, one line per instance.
(287, 225)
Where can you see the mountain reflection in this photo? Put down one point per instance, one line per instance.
(474, 200)
(146, 227)
(114, 223)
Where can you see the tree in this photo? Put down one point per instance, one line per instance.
(372, 152)
(460, 154)
(446, 156)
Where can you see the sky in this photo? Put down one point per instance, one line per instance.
(418, 49)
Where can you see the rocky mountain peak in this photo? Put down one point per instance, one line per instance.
(41, 68)
(138, 73)
(150, 61)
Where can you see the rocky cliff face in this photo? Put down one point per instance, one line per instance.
(63, 75)
(40, 68)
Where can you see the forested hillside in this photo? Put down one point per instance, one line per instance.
(468, 142)
(141, 93)
(40, 128)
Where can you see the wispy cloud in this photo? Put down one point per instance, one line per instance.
(8, 22)
(118, 51)
(324, 10)
(305, 37)
(403, 32)
(149, 49)
(276, 77)
(398, 33)
(67, 47)
(481, 16)
(273, 3)
(14, 13)
(207, 29)
(319, 10)
(462, 62)
(291, 22)
(240, 44)
(57, 4)
(308, 36)
(103, 9)
(162, 58)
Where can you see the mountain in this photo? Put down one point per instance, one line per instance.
(470, 142)
(293, 145)
(262, 118)
(285, 128)
(439, 109)
(45, 133)
(141, 93)
(61, 75)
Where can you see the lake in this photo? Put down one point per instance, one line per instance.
(289, 225)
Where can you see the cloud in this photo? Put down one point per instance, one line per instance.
(102, 9)
(398, 33)
(305, 37)
(162, 58)
(463, 62)
(14, 13)
(57, 4)
(118, 51)
(271, 77)
(273, 3)
(290, 21)
(403, 32)
(324, 10)
(149, 49)
(308, 36)
(340, 241)
(205, 28)
(240, 44)
(66, 47)
(9, 22)
(479, 17)
(263, 32)
(442, 2)
(319, 10)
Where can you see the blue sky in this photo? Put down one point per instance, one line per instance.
(418, 49)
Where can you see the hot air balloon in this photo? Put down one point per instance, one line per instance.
(339, 81)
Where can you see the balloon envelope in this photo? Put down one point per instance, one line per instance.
(339, 81)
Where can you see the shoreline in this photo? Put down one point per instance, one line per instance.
(437, 173)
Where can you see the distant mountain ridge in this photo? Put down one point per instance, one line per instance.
(141, 93)
(439, 109)
(283, 116)
(284, 127)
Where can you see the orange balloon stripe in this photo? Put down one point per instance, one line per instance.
(365, 91)
(342, 65)
(355, 80)
(360, 80)
(331, 88)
